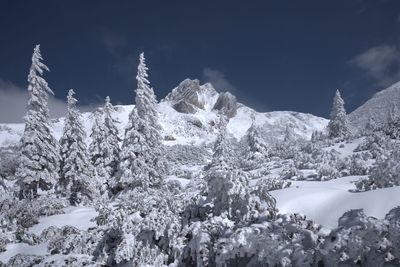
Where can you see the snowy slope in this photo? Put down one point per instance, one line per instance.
(378, 107)
(325, 202)
(198, 127)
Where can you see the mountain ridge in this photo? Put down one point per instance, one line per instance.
(199, 124)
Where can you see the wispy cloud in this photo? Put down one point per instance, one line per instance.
(114, 43)
(13, 100)
(218, 80)
(381, 63)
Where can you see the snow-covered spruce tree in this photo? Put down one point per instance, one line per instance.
(257, 148)
(227, 185)
(96, 146)
(104, 148)
(338, 126)
(39, 158)
(111, 141)
(76, 174)
(142, 160)
(228, 188)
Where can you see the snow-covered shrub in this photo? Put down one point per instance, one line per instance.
(202, 238)
(179, 156)
(73, 260)
(385, 172)
(361, 241)
(8, 162)
(271, 184)
(327, 172)
(358, 164)
(145, 221)
(25, 213)
(71, 240)
(290, 240)
(23, 260)
(290, 172)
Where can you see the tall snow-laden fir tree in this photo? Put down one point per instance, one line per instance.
(96, 146)
(39, 160)
(76, 169)
(111, 141)
(338, 126)
(104, 148)
(142, 162)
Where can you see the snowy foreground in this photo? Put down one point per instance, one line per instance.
(322, 202)
(79, 217)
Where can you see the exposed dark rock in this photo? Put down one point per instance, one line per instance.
(227, 104)
(184, 107)
(189, 96)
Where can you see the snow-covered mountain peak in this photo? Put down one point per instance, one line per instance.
(189, 96)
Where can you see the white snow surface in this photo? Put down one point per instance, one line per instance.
(79, 217)
(325, 202)
(23, 248)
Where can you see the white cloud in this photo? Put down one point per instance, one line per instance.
(382, 63)
(13, 100)
(218, 80)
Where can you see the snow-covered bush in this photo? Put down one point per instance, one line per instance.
(290, 171)
(385, 172)
(145, 221)
(8, 162)
(271, 184)
(71, 240)
(327, 172)
(25, 213)
(362, 241)
(290, 240)
(359, 164)
(23, 260)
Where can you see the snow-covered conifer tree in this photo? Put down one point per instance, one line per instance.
(257, 148)
(39, 158)
(338, 126)
(142, 160)
(104, 148)
(96, 146)
(111, 141)
(227, 186)
(76, 169)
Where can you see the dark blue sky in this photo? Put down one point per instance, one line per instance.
(274, 55)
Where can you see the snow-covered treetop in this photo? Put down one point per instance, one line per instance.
(36, 70)
(71, 99)
(145, 98)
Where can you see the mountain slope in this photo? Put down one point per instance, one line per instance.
(378, 108)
